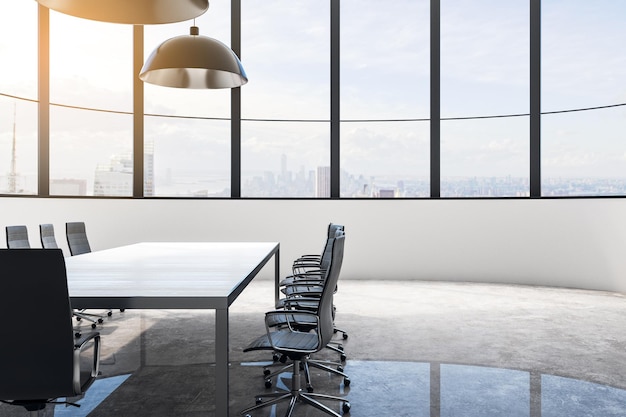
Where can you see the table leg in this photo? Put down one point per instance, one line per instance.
(221, 362)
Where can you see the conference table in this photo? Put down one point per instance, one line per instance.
(173, 275)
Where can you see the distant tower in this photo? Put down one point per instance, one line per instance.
(13, 172)
(322, 182)
(148, 170)
(283, 165)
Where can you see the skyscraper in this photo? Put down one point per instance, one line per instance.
(322, 182)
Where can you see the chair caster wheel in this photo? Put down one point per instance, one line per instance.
(257, 402)
(309, 388)
(110, 313)
(340, 368)
(283, 359)
(93, 325)
(345, 336)
(78, 318)
(343, 357)
(77, 335)
(266, 372)
(268, 383)
(346, 407)
(122, 309)
(346, 382)
(340, 347)
(100, 321)
(275, 358)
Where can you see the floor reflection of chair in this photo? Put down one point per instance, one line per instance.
(43, 364)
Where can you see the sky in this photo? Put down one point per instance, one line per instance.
(384, 75)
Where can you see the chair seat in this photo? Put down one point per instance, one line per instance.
(288, 342)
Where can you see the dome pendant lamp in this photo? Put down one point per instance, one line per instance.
(134, 12)
(193, 61)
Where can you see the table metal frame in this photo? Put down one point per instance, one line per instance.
(174, 275)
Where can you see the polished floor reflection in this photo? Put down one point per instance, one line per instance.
(414, 349)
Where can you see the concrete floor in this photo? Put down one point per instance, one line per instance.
(430, 349)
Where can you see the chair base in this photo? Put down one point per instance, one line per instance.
(319, 364)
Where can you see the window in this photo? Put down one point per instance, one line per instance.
(385, 67)
(91, 131)
(484, 72)
(384, 97)
(187, 131)
(583, 152)
(286, 53)
(18, 92)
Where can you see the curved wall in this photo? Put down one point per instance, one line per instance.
(576, 243)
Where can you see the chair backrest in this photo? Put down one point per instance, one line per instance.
(333, 227)
(325, 308)
(77, 238)
(328, 248)
(37, 343)
(46, 233)
(17, 237)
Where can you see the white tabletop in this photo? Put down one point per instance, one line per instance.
(166, 274)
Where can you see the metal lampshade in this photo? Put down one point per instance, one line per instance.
(134, 12)
(193, 61)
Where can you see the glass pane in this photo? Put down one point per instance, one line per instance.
(90, 63)
(385, 75)
(18, 90)
(90, 67)
(187, 157)
(385, 59)
(385, 159)
(485, 157)
(286, 54)
(18, 72)
(583, 152)
(484, 72)
(90, 153)
(281, 159)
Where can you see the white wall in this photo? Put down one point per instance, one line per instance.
(564, 242)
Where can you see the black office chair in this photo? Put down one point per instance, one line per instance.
(17, 237)
(48, 241)
(77, 238)
(40, 364)
(46, 235)
(78, 243)
(298, 345)
(303, 290)
(308, 299)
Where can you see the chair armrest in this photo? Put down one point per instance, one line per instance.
(79, 346)
(317, 275)
(308, 258)
(288, 303)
